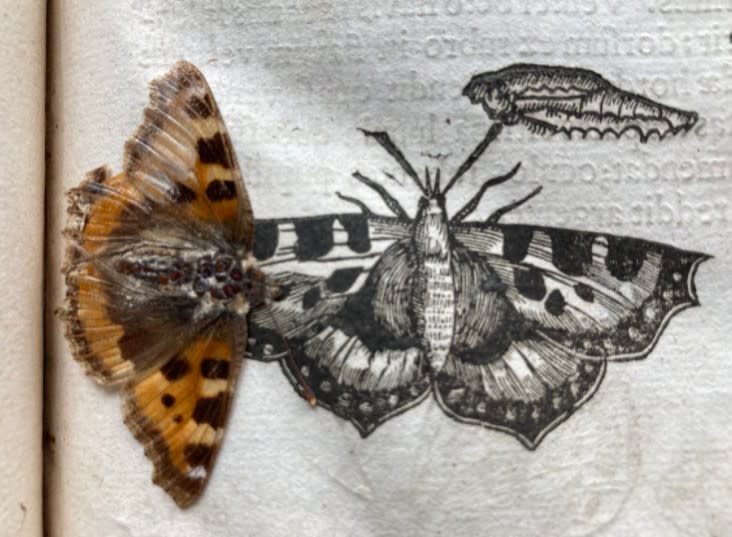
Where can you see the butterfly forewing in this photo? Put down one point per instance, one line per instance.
(155, 267)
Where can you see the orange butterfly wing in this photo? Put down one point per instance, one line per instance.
(181, 191)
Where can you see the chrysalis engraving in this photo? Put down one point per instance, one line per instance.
(551, 99)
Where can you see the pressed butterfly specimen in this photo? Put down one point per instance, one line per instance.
(509, 326)
(160, 277)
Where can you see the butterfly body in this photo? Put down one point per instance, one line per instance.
(434, 293)
(440, 286)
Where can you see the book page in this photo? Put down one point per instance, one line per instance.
(22, 98)
(477, 441)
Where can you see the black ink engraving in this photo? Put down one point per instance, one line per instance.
(508, 326)
(555, 99)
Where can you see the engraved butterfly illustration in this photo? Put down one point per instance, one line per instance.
(509, 326)
(160, 278)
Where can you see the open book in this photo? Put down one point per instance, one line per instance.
(604, 409)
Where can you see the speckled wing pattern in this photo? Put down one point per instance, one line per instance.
(554, 99)
(141, 246)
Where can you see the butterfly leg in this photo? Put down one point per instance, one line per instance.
(361, 205)
(469, 207)
(496, 216)
(390, 200)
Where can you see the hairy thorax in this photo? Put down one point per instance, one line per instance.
(218, 281)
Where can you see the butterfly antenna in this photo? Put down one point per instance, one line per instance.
(306, 391)
(489, 137)
(496, 216)
(473, 203)
(428, 179)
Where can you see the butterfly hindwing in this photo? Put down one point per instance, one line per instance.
(501, 372)
(178, 411)
(352, 341)
(103, 304)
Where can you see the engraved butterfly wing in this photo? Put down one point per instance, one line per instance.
(555, 99)
(130, 316)
(344, 310)
(577, 299)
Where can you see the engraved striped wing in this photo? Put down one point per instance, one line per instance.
(345, 313)
(570, 301)
(602, 295)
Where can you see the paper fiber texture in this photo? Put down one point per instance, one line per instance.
(22, 90)
(647, 455)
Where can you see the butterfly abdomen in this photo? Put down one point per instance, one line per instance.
(434, 296)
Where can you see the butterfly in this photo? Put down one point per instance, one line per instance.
(160, 279)
(507, 326)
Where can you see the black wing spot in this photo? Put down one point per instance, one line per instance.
(211, 410)
(167, 400)
(175, 369)
(215, 150)
(311, 297)
(266, 237)
(200, 108)
(555, 303)
(218, 190)
(314, 238)
(530, 283)
(213, 368)
(585, 292)
(342, 279)
(516, 243)
(357, 228)
(198, 454)
(625, 257)
(181, 193)
(99, 175)
(571, 251)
